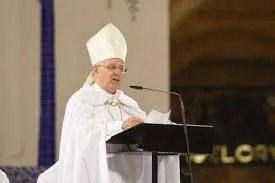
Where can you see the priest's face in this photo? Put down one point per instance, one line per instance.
(108, 74)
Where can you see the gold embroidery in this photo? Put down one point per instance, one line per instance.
(111, 103)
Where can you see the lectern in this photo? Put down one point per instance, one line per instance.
(165, 140)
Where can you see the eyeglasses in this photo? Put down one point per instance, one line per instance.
(114, 67)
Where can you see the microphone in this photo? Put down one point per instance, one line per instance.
(183, 122)
(143, 88)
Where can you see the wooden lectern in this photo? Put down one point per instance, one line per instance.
(169, 139)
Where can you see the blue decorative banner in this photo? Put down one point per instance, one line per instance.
(47, 86)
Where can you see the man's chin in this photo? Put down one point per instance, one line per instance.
(116, 84)
(115, 87)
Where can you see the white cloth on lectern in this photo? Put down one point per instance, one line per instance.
(3, 177)
(88, 123)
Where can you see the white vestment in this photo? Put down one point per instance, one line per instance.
(50, 175)
(3, 177)
(88, 123)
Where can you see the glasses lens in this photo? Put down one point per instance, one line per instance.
(114, 67)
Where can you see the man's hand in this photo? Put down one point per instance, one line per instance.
(131, 122)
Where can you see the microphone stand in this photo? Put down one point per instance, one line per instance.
(186, 138)
(184, 125)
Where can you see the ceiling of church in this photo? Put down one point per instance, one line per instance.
(220, 28)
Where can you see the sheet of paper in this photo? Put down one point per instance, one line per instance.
(157, 117)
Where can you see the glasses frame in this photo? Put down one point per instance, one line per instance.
(110, 68)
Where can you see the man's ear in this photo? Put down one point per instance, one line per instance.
(95, 70)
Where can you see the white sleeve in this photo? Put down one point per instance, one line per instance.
(41, 179)
(114, 128)
(3, 177)
(82, 154)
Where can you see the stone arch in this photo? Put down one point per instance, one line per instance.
(213, 44)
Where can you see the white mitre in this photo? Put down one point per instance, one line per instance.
(108, 43)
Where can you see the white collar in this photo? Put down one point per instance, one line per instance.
(87, 94)
(109, 96)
